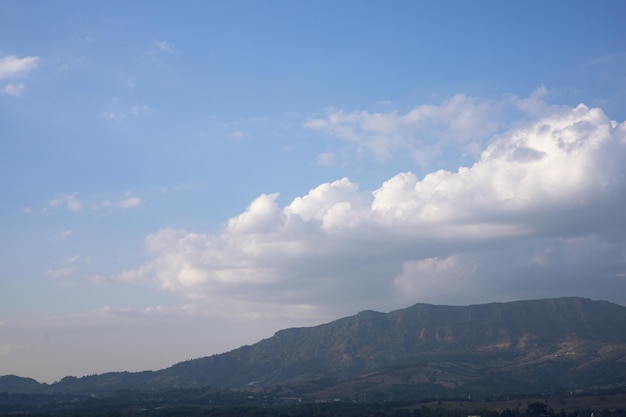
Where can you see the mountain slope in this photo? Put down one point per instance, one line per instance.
(545, 342)
(498, 348)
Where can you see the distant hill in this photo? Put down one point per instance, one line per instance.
(551, 345)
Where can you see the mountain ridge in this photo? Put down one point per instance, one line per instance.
(542, 345)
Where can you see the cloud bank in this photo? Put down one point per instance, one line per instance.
(542, 209)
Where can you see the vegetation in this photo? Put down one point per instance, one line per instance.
(217, 403)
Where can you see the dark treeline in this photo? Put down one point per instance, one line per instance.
(373, 410)
(117, 408)
(224, 403)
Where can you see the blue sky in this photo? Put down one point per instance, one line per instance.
(181, 179)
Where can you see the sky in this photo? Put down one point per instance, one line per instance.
(180, 179)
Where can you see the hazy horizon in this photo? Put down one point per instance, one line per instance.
(179, 181)
(269, 336)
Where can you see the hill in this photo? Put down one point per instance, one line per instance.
(551, 345)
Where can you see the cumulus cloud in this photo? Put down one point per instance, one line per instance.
(541, 211)
(12, 66)
(460, 124)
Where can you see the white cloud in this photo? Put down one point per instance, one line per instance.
(130, 112)
(70, 201)
(459, 118)
(165, 46)
(237, 134)
(73, 259)
(63, 272)
(535, 104)
(133, 276)
(12, 66)
(554, 162)
(447, 237)
(66, 270)
(139, 110)
(460, 124)
(128, 201)
(14, 89)
(61, 236)
(326, 158)
(112, 115)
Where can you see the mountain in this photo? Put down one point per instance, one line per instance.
(550, 345)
